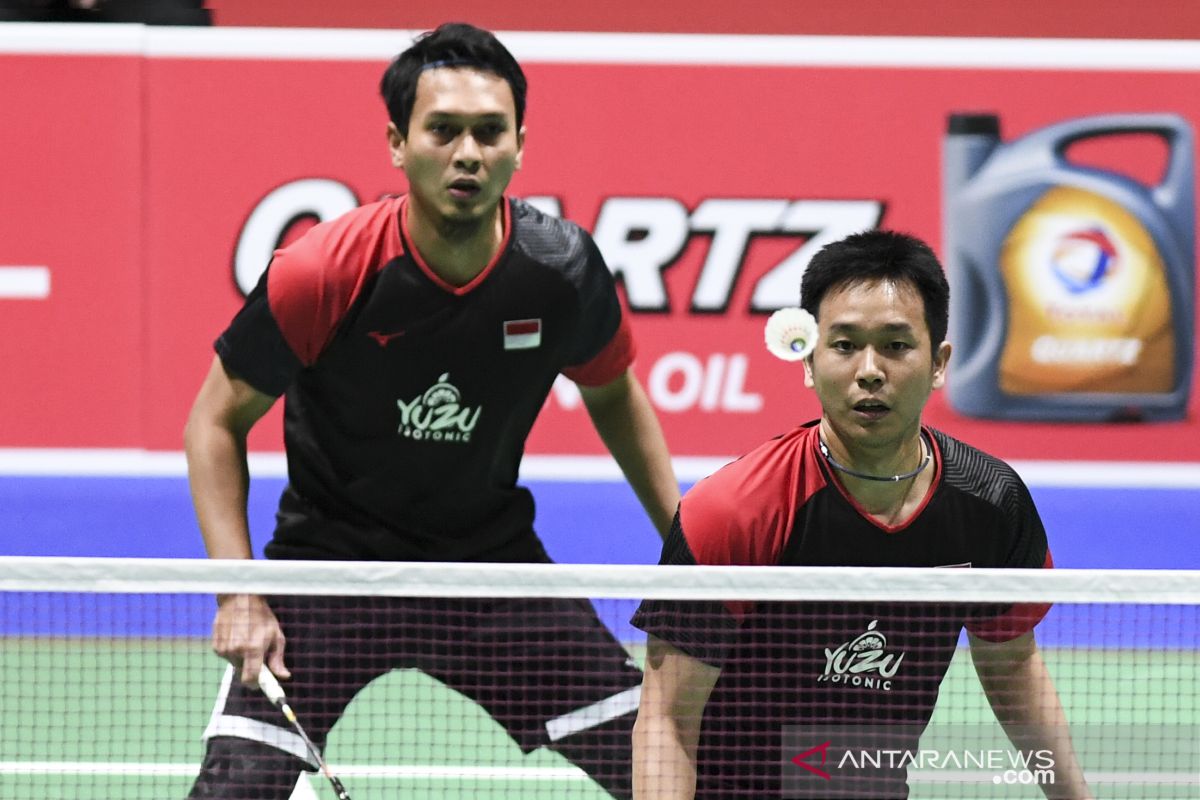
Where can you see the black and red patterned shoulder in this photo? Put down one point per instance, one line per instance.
(550, 241)
(562, 252)
(313, 282)
(998, 485)
(744, 513)
(982, 475)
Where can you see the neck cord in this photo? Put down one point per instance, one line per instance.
(884, 478)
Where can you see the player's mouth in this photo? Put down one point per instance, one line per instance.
(464, 189)
(871, 409)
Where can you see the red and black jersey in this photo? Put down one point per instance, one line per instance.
(857, 664)
(408, 400)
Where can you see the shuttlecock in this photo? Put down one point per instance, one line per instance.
(791, 334)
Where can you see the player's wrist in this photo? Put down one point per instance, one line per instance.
(224, 599)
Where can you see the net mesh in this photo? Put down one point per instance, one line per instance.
(491, 681)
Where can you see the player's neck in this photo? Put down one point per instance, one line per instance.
(882, 459)
(456, 250)
(889, 483)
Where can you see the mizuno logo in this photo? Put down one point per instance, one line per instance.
(384, 338)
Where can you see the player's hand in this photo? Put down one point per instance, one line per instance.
(246, 634)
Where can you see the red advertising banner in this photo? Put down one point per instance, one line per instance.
(71, 290)
(154, 184)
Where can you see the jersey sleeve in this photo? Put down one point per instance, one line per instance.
(739, 516)
(704, 629)
(743, 514)
(603, 346)
(254, 348)
(1028, 550)
(294, 311)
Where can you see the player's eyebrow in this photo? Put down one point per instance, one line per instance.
(890, 327)
(490, 116)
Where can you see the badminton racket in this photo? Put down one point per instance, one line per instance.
(274, 692)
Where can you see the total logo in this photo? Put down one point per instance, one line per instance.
(862, 661)
(1084, 259)
(438, 415)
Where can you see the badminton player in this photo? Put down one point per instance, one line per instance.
(415, 340)
(866, 485)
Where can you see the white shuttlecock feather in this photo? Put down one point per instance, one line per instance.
(791, 334)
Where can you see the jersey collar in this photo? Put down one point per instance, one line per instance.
(406, 238)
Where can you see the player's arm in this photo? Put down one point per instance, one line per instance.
(675, 690)
(245, 630)
(1022, 695)
(625, 420)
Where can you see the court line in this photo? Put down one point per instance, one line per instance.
(415, 772)
(135, 463)
(595, 714)
(472, 772)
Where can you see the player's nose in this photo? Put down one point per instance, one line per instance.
(869, 371)
(467, 155)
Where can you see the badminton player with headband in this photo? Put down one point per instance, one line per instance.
(452, 302)
(865, 485)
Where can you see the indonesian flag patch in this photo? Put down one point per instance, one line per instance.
(522, 334)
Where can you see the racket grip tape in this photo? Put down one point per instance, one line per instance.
(270, 685)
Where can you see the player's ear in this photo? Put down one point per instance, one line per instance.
(520, 145)
(940, 359)
(396, 144)
(808, 373)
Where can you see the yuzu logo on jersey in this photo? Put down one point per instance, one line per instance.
(862, 661)
(643, 240)
(437, 414)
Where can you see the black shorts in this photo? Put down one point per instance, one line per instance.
(545, 669)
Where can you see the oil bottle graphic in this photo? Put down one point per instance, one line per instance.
(1072, 287)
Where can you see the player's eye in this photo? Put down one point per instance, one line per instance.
(842, 345)
(443, 130)
(489, 133)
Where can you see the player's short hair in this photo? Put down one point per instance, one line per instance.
(453, 44)
(881, 255)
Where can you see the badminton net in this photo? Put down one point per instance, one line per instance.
(825, 677)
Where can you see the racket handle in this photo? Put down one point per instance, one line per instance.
(270, 686)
